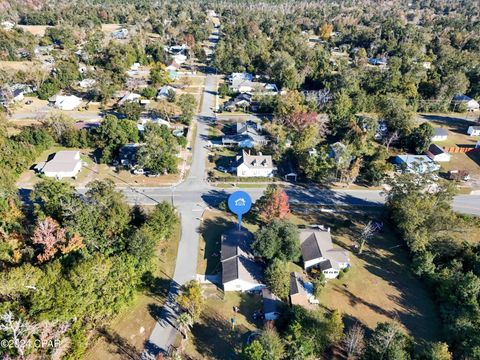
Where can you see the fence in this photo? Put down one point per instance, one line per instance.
(460, 149)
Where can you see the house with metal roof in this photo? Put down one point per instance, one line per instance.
(419, 164)
(318, 251)
(64, 164)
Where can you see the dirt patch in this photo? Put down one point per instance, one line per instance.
(38, 30)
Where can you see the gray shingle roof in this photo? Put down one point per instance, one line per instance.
(255, 161)
(235, 242)
(315, 243)
(296, 284)
(240, 267)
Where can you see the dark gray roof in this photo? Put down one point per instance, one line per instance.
(240, 267)
(296, 284)
(435, 149)
(327, 264)
(314, 243)
(235, 242)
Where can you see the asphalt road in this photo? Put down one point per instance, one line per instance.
(187, 197)
(201, 194)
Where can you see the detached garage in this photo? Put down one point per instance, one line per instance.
(436, 153)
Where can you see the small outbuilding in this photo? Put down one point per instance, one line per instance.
(436, 153)
(473, 130)
(440, 134)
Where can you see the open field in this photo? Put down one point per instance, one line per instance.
(19, 65)
(108, 28)
(214, 337)
(125, 336)
(379, 287)
(38, 30)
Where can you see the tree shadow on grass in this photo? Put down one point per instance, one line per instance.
(122, 347)
(214, 338)
(212, 230)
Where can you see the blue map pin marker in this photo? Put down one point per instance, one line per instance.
(239, 203)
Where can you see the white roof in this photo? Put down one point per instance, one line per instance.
(63, 161)
(69, 102)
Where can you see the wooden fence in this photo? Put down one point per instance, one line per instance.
(460, 149)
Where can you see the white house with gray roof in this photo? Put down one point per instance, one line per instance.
(254, 165)
(318, 251)
(240, 272)
(64, 164)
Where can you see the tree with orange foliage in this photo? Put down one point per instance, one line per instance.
(273, 204)
(52, 238)
(325, 31)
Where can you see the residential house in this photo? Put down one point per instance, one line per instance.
(247, 136)
(87, 83)
(377, 61)
(254, 165)
(271, 305)
(419, 164)
(318, 251)
(176, 49)
(128, 97)
(242, 101)
(436, 153)
(127, 155)
(69, 102)
(174, 66)
(64, 164)
(440, 134)
(473, 130)
(120, 34)
(340, 153)
(164, 92)
(240, 272)
(468, 102)
(244, 83)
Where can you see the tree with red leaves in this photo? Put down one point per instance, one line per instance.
(273, 204)
(299, 121)
(52, 238)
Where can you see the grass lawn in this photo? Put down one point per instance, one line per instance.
(457, 125)
(126, 334)
(29, 178)
(379, 287)
(126, 178)
(213, 337)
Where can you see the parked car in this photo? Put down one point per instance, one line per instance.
(28, 102)
(138, 172)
